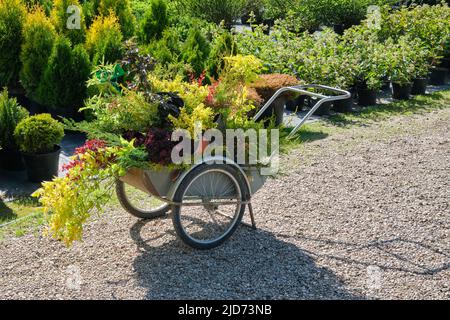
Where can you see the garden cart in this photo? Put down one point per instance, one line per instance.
(207, 201)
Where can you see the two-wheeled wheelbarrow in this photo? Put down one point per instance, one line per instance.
(207, 201)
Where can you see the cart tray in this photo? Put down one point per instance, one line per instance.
(157, 183)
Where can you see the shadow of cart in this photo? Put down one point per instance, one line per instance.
(252, 265)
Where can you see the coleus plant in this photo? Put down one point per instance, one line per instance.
(88, 185)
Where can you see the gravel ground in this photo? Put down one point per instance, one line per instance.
(362, 214)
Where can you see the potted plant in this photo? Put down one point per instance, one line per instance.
(267, 85)
(369, 62)
(253, 12)
(11, 113)
(343, 77)
(400, 67)
(38, 138)
(410, 61)
(327, 62)
(421, 59)
(438, 76)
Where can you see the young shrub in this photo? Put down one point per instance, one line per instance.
(196, 51)
(168, 49)
(191, 93)
(216, 10)
(60, 19)
(90, 9)
(255, 6)
(230, 95)
(241, 70)
(224, 46)
(46, 5)
(122, 11)
(119, 114)
(154, 21)
(11, 113)
(369, 57)
(12, 14)
(104, 40)
(64, 84)
(39, 37)
(430, 24)
(399, 61)
(268, 84)
(188, 118)
(277, 9)
(38, 134)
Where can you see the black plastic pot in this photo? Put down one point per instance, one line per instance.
(245, 18)
(323, 110)
(419, 86)
(445, 63)
(66, 113)
(36, 108)
(386, 85)
(277, 109)
(401, 91)
(297, 104)
(438, 76)
(343, 106)
(42, 167)
(11, 160)
(339, 28)
(367, 97)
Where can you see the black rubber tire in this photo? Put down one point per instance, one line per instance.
(178, 197)
(120, 191)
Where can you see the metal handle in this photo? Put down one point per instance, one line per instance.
(302, 89)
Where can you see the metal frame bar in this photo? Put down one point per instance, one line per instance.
(303, 90)
(252, 217)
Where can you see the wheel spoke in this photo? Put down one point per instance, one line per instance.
(211, 220)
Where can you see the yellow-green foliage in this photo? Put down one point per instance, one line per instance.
(38, 134)
(238, 113)
(188, 120)
(11, 113)
(104, 39)
(241, 69)
(87, 187)
(69, 201)
(60, 17)
(194, 96)
(39, 37)
(191, 93)
(232, 93)
(129, 111)
(122, 10)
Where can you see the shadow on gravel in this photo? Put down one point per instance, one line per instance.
(252, 265)
(403, 252)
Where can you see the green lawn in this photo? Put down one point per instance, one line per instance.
(369, 115)
(19, 217)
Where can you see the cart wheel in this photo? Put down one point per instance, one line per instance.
(138, 203)
(211, 207)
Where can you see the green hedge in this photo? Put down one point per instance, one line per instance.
(12, 14)
(63, 87)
